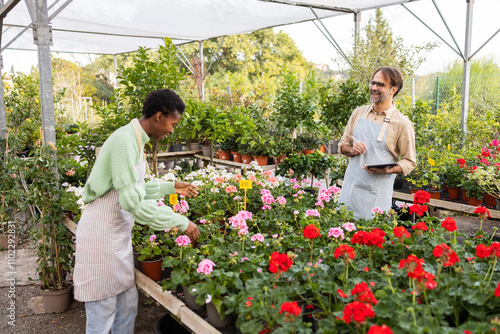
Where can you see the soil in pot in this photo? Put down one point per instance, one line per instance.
(167, 324)
(152, 269)
(190, 300)
(215, 319)
(56, 301)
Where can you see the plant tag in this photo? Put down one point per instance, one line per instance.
(172, 199)
(245, 184)
(432, 162)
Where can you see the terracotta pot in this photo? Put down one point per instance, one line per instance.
(322, 148)
(224, 155)
(474, 201)
(281, 158)
(190, 300)
(306, 152)
(464, 195)
(490, 199)
(236, 156)
(56, 301)
(413, 190)
(445, 186)
(262, 160)
(246, 158)
(152, 269)
(214, 317)
(435, 194)
(453, 193)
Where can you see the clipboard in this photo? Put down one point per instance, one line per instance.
(382, 165)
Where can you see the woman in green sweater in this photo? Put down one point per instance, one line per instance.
(116, 196)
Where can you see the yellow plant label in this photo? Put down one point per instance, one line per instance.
(449, 147)
(172, 199)
(245, 184)
(432, 162)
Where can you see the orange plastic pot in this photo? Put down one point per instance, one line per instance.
(152, 269)
(262, 160)
(246, 158)
(224, 155)
(236, 156)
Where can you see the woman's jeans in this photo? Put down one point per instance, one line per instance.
(115, 313)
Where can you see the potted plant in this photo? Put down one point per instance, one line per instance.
(245, 149)
(453, 175)
(53, 241)
(298, 163)
(151, 252)
(473, 190)
(308, 143)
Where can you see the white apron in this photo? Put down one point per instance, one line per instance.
(363, 191)
(104, 264)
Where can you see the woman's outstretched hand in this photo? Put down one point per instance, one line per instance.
(186, 189)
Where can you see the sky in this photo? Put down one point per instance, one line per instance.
(317, 49)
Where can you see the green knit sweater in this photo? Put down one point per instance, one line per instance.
(115, 168)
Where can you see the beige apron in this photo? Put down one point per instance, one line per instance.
(104, 265)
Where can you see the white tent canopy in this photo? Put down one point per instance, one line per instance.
(112, 27)
(118, 26)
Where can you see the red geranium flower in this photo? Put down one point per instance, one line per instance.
(497, 290)
(372, 238)
(279, 263)
(363, 293)
(495, 249)
(424, 279)
(358, 312)
(401, 233)
(449, 224)
(346, 251)
(311, 231)
(342, 294)
(483, 251)
(446, 254)
(483, 212)
(462, 163)
(420, 226)
(410, 263)
(421, 197)
(374, 329)
(291, 310)
(418, 209)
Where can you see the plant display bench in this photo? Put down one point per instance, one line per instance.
(176, 155)
(176, 307)
(230, 163)
(439, 204)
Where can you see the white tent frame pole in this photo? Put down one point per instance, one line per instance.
(202, 62)
(447, 27)
(333, 39)
(482, 46)
(466, 74)
(186, 62)
(435, 33)
(357, 29)
(42, 36)
(115, 65)
(58, 10)
(4, 10)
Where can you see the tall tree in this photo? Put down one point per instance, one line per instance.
(380, 48)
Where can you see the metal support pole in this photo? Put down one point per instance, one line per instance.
(3, 118)
(466, 74)
(438, 88)
(357, 25)
(202, 83)
(116, 70)
(42, 35)
(413, 92)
